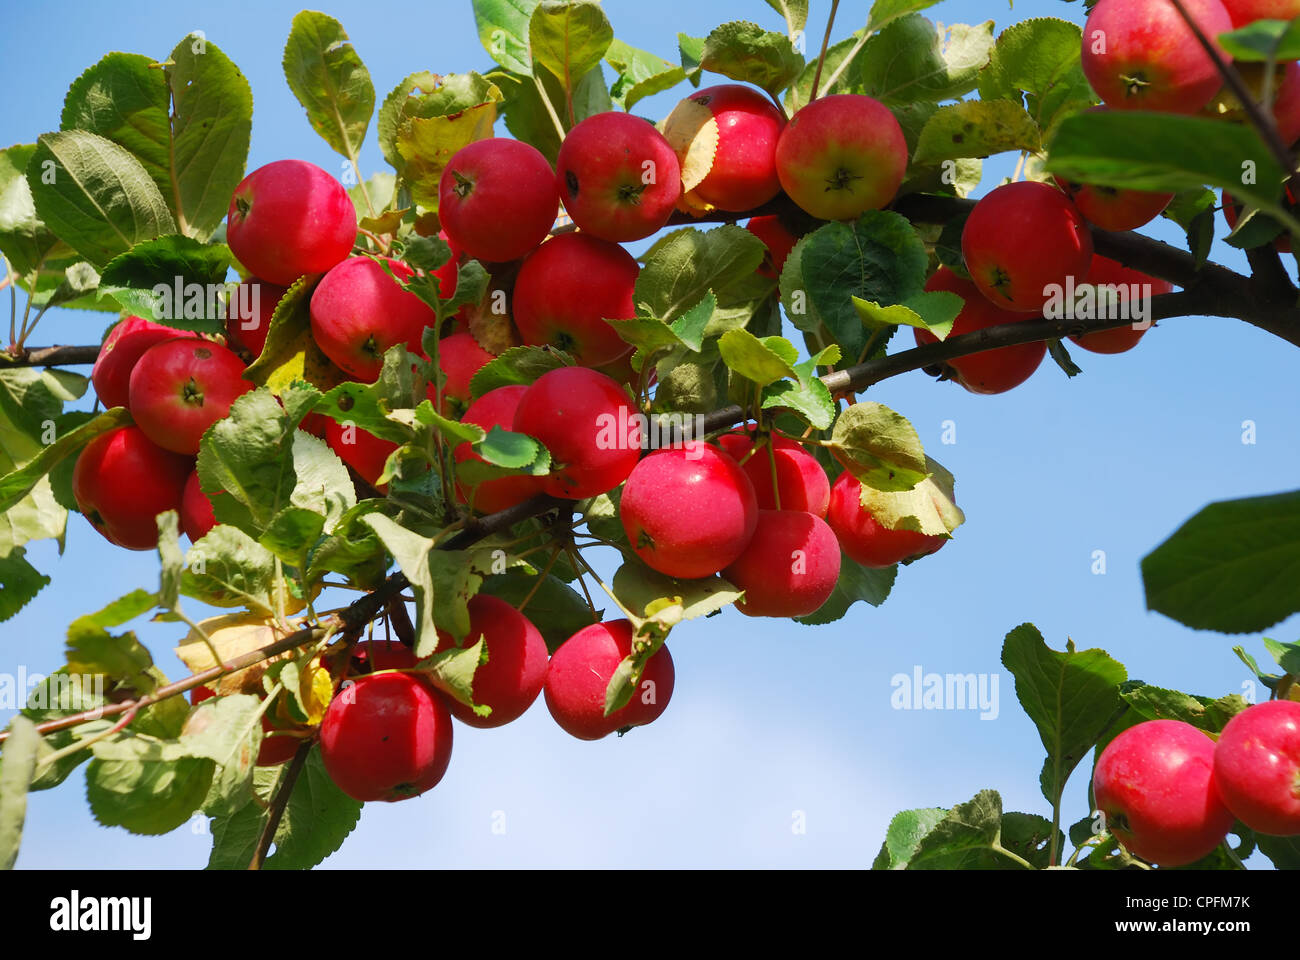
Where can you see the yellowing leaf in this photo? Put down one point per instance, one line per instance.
(231, 634)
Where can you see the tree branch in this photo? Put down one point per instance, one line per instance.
(49, 357)
(282, 793)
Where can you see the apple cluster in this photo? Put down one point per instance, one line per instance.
(1171, 794)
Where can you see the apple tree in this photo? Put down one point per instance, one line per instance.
(433, 397)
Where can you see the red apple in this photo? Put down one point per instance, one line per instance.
(1106, 271)
(581, 670)
(517, 659)
(371, 656)
(290, 218)
(862, 537)
(359, 449)
(989, 371)
(618, 177)
(1243, 12)
(459, 358)
(180, 387)
(122, 349)
(688, 510)
(789, 568)
(589, 426)
(359, 310)
(1257, 767)
(841, 156)
(731, 132)
(497, 199)
(196, 510)
(1141, 55)
(1155, 785)
(1021, 240)
(778, 239)
(386, 736)
(249, 315)
(496, 408)
(800, 479)
(568, 288)
(123, 480)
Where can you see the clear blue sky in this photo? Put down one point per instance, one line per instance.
(769, 718)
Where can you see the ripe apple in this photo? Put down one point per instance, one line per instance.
(841, 156)
(1021, 239)
(1106, 271)
(589, 426)
(122, 349)
(358, 311)
(496, 408)
(449, 273)
(568, 288)
(1243, 12)
(688, 510)
(180, 387)
(290, 218)
(260, 299)
(618, 177)
(779, 240)
(731, 131)
(800, 479)
(1141, 55)
(989, 371)
(371, 656)
(862, 537)
(580, 672)
(497, 199)
(1232, 213)
(789, 568)
(459, 358)
(1114, 208)
(123, 480)
(196, 510)
(1286, 98)
(386, 736)
(360, 449)
(517, 659)
(1155, 785)
(1257, 767)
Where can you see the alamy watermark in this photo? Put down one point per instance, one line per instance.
(226, 301)
(628, 431)
(72, 692)
(946, 691)
(1099, 301)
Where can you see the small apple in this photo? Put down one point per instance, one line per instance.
(459, 358)
(196, 510)
(863, 538)
(789, 568)
(122, 349)
(247, 328)
(290, 218)
(1257, 767)
(841, 156)
(360, 449)
(1106, 272)
(778, 239)
(180, 387)
(618, 177)
(497, 199)
(122, 481)
(1244, 12)
(496, 408)
(800, 479)
(517, 660)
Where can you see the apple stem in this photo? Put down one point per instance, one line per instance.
(555, 553)
(550, 107)
(821, 60)
(835, 74)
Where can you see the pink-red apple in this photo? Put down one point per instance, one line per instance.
(789, 568)
(181, 387)
(497, 199)
(863, 538)
(123, 480)
(516, 668)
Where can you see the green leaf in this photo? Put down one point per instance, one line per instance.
(752, 358)
(145, 785)
(911, 60)
(554, 607)
(691, 51)
(879, 446)
(795, 13)
(328, 78)
(856, 582)
(235, 837)
(317, 819)
(1283, 851)
(1039, 56)
(647, 592)
(879, 258)
(812, 401)
(640, 74)
(799, 93)
(21, 582)
(430, 129)
(885, 11)
(503, 31)
(568, 38)
(932, 311)
(518, 365)
(927, 508)
(1163, 152)
(963, 838)
(1263, 40)
(1157, 703)
(153, 278)
(976, 128)
(1072, 697)
(321, 482)
(24, 240)
(352, 550)
(17, 768)
(228, 731)
(227, 568)
(16, 485)
(747, 53)
(1232, 567)
(906, 830)
(683, 266)
(1286, 655)
(95, 195)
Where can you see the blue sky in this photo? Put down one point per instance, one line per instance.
(772, 724)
